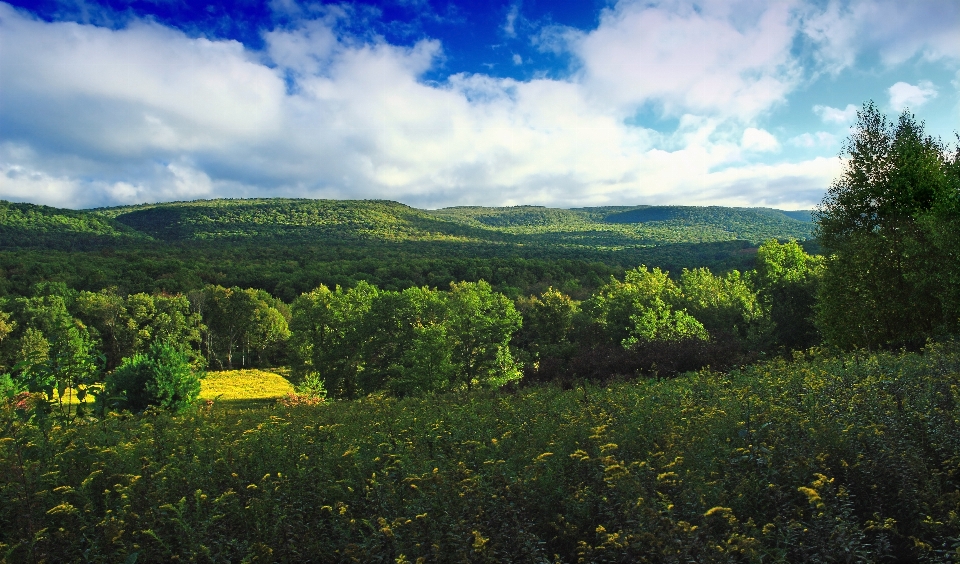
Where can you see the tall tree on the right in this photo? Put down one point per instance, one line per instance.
(888, 226)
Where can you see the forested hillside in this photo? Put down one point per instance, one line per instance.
(316, 221)
(32, 226)
(288, 247)
(645, 225)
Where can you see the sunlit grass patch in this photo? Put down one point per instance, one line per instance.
(70, 397)
(249, 387)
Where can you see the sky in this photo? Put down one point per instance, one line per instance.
(439, 103)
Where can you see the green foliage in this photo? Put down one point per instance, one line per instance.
(241, 324)
(48, 349)
(162, 377)
(9, 387)
(816, 460)
(642, 309)
(288, 247)
(28, 225)
(365, 340)
(326, 336)
(6, 327)
(724, 304)
(881, 223)
(406, 346)
(787, 280)
(311, 386)
(480, 325)
(126, 326)
(548, 325)
(620, 226)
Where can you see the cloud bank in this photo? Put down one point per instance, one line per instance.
(94, 116)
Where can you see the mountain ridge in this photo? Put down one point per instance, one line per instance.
(309, 221)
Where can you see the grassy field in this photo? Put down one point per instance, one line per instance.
(245, 388)
(849, 459)
(250, 387)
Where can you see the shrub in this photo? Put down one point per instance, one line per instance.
(163, 377)
(311, 387)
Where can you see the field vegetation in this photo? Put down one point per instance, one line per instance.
(819, 459)
(250, 387)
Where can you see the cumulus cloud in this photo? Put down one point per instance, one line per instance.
(141, 89)
(897, 31)
(96, 116)
(759, 140)
(718, 57)
(903, 94)
(835, 115)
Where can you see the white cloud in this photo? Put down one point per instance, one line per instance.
(517, 59)
(903, 94)
(19, 183)
(308, 50)
(835, 115)
(812, 140)
(509, 25)
(718, 57)
(94, 116)
(556, 39)
(897, 31)
(759, 140)
(139, 89)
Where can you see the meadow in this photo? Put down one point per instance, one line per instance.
(235, 388)
(245, 388)
(852, 458)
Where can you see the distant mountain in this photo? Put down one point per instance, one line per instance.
(339, 222)
(637, 225)
(802, 215)
(289, 246)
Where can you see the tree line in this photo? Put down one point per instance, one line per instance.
(349, 342)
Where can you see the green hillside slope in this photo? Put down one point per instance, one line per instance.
(31, 226)
(621, 226)
(301, 221)
(288, 246)
(294, 220)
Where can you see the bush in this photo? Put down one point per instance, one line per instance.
(163, 377)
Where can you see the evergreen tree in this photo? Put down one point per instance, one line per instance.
(161, 377)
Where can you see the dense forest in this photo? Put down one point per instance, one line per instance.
(618, 384)
(469, 318)
(288, 247)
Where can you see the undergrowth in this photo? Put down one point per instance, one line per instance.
(850, 459)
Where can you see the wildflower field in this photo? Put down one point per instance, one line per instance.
(245, 388)
(849, 459)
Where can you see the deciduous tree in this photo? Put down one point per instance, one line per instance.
(880, 225)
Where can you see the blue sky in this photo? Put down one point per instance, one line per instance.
(441, 103)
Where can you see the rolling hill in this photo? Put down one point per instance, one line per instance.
(300, 221)
(311, 221)
(288, 246)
